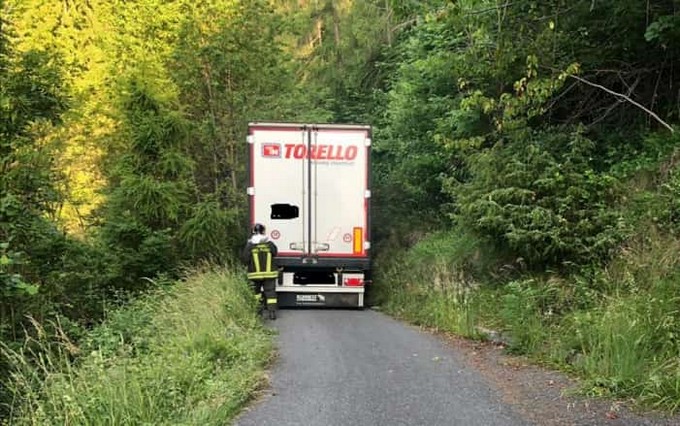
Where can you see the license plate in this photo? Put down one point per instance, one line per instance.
(308, 298)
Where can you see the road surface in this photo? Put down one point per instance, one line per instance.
(364, 368)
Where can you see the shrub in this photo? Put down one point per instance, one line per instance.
(538, 196)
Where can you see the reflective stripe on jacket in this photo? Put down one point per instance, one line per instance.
(260, 260)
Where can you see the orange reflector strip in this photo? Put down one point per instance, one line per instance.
(358, 240)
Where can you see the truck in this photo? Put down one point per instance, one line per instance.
(310, 185)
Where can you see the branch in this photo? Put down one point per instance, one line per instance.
(612, 107)
(490, 9)
(622, 96)
(560, 96)
(403, 24)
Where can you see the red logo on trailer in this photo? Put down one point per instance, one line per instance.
(275, 234)
(322, 152)
(271, 150)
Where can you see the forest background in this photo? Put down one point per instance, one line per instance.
(524, 158)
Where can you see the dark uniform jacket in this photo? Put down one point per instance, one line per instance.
(258, 255)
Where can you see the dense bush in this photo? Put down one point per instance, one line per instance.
(539, 196)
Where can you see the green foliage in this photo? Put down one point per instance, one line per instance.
(29, 103)
(667, 211)
(13, 284)
(148, 200)
(479, 124)
(191, 354)
(539, 196)
(42, 270)
(524, 307)
(338, 48)
(435, 282)
(209, 231)
(615, 327)
(665, 31)
(613, 323)
(474, 75)
(623, 346)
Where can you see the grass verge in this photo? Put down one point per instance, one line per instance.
(191, 354)
(617, 327)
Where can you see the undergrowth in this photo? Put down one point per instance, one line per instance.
(192, 353)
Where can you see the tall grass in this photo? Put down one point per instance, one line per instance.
(190, 354)
(432, 283)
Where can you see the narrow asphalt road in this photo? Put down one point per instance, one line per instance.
(364, 368)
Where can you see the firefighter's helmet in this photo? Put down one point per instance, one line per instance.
(258, 228)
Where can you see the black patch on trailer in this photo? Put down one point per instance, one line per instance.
(330, 300)
(314, 277)
(285, 211)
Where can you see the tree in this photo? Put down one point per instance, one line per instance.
(31, 102)
(78, 33)
(150, 184)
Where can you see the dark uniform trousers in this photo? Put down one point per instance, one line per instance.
(262, 273)
(268, 288)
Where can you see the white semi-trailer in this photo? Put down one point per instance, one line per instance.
(309, 184)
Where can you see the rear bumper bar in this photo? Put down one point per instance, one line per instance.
(347, 263)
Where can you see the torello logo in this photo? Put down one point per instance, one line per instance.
(321, 152)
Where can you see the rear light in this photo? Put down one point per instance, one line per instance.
(354, 282)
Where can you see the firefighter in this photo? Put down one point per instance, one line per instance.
(258, 255)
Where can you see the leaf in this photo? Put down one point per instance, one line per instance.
(29, 289)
